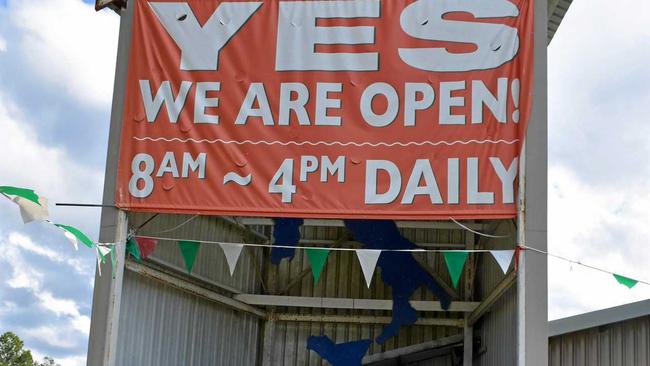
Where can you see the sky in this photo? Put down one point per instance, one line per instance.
(57, 60)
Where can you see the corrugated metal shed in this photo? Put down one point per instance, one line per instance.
(166, 321)
(342, 278)
(557, 9)
(167, 317)
(163, 325)
(498, 328)
(614, 337)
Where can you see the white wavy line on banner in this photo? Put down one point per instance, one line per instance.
(333, 143)
(239, 179)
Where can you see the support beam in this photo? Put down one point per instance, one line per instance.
(171, 269)
(493, 297)
(102, 339)
(468, 344)
(470, 274)
(361, 319)
(269, 334)
(405, 351)
(237, 222)
(532, 284)
(352, 243)
(447, 225)
(346, 303)
(193, 289)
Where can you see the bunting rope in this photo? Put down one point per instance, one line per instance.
(578, 263)
(177, 226)
(478, 232)
(417, 250)
(34, 208)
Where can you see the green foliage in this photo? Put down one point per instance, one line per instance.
(13, 354)
(47, 361)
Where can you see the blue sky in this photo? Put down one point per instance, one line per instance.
(56, 75)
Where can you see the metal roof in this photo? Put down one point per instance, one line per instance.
(599, 318)
(556, 11)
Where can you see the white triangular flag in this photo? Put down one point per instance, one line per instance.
(503, 258)
(368, 259)
(72, 238)
(232, 252)
(30, 211)
(102, 252)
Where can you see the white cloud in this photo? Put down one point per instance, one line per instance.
(65, 307)
(53, 336)
(25, 243)
(65, 325)
(25, 276)
(608, 230)
(49, 170)
(599, 146)
(69, 45)
(71, 50)
(79, 360)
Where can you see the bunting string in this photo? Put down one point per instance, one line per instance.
(573, 261)
(34, 208)
(419, 250)
(503, 257)
(177, 226)
(478, 232)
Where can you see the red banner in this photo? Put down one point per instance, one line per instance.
(393, 109)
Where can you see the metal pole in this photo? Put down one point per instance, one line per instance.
(521, 283)
(468, 342)
(532, 286)
(107, 294)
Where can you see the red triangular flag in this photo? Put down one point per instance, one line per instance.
(147, 246)
(518, 250)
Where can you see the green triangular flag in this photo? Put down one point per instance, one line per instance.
(317, 259)
(102, 251)
(113, 262)
(133, 249)
(189, 249)
(75, 235)
(455, 263)
(25, 193)
(625, 281)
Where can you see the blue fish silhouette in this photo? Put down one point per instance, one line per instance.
(399, 270)
(343, 354)
(286, 232)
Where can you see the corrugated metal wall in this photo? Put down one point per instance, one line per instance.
(342, 277)
(164, 326)
(620, 344)
(438, 361)
(498, 328)
(161, 325)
